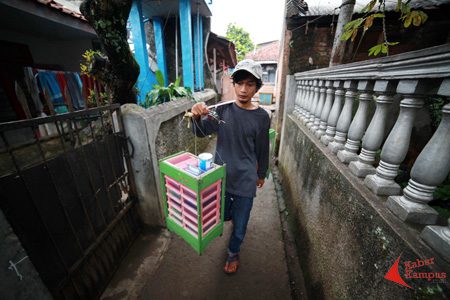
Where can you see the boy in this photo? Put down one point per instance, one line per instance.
(243, 145)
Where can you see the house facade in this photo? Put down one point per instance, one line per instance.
(267, 55)
(53, 36)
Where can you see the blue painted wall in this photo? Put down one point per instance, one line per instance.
(186, 43)
(160, 47)
(198, 42)
(146, 77)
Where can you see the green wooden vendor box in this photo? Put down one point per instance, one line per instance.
(193, 204)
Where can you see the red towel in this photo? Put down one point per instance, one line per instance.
(62, 84)
(84, 80)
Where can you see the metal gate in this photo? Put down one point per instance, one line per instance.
(70, 197)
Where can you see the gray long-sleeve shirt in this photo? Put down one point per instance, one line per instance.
(242, 144)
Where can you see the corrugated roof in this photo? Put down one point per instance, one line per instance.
(329, 7)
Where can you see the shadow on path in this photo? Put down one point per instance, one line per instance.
(161, 265)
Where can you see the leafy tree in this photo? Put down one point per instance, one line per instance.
(241, 40)
(407, 16)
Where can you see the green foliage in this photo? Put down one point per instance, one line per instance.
(92, 99)
(89, 57)
(407, 16)
(442, 192)
(435, 107)
(375, 50)
(241, 40)
(161, 94)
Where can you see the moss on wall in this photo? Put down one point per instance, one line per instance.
(347, 239)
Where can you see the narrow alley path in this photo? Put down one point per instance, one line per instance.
(262, 271)
(161, 265)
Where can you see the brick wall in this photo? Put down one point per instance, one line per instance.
(315, 40)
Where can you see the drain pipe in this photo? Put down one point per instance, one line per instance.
(345, 16)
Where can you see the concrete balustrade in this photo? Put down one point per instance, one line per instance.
(396, 146)
(314, 103)
(306, 101)
(430, 169)
(438, 237)
(319, 107)
(303, 98)
(334, 115)
(412, 77)
(376, 130)
(326, 108)
(310, 102)
(345, 117)
(298, 94)
(358, 125)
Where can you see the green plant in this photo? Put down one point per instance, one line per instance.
(92, 99)
(435, 107)
(407, 16)
(89, 58)
(442, 192)
(161, 94)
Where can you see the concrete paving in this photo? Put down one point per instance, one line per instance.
(161, 265)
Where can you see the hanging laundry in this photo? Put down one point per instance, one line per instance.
(85, 84)
(32, 87)
(74, 85)
(50, 82)
(62, 84)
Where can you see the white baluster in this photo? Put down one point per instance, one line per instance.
(297, 100)
(302, 99)
(396, 146)
(319, 107)
(310, 101)
(308, 95)
(326, 109)
(375, 133)
(345, 118)
(430, 169)
(314, 104)
(334, 114)
(438, 237)
(358, 125)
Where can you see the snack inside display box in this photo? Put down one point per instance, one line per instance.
(193, 194)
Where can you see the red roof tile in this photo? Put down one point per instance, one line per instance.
(53, 4)
(265, 52)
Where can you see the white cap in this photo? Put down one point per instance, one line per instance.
(250, 66)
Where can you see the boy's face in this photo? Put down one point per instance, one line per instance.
(245, 89)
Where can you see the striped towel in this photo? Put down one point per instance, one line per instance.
(50, 82)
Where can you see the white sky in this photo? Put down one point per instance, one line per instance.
(262, 19)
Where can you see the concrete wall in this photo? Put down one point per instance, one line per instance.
(30, 285)
(347, 239)
(155, 133)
